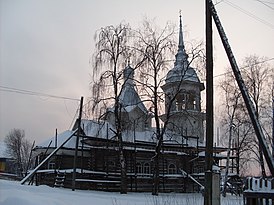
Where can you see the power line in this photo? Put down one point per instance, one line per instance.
(270, 59)
(34, 93)
(265, 3)
(248, 13)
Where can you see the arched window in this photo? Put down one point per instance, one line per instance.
(192, 103)
(172, 169)
(146, 169)
(181, 101)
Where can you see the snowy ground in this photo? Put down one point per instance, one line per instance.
(12, 193)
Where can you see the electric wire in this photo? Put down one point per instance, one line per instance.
(265, 3)
(260, 62)
(248, 13)
(34, 93)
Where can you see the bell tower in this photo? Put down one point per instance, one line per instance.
(182, 90)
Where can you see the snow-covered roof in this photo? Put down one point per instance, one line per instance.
(106, 131)
(3, 151)
(130, 99)
(100, 129)
(202, 154)
(62, 137)
(182, 73)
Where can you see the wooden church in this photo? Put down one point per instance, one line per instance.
(182, 156)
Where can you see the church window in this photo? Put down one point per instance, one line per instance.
(143, 169)
(181, 101)
(172, 169)
(195, 105)
(146, 168)
(138, 167)
(51, 165)
(191, 104)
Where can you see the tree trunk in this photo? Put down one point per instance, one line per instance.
(123, 173)
(156, 180)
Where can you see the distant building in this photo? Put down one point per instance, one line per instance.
(7, 163)
(183, 150)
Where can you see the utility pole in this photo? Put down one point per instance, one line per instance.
(209, 108)
(76, 144)
(248, 102)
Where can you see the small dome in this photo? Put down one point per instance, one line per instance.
(178, 74)
(129, 97)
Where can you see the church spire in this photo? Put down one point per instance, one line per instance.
(181, 56)
(181, 39)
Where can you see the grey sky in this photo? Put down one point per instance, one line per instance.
(46, 46)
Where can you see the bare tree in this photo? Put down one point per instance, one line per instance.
(157, 47)
(232, 105)
(257, 78)
(256, 74)
(152, 50)
(19, 148)
(109, 59)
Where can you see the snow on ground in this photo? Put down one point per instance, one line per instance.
(12, 193)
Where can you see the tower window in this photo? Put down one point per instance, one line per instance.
(194, 105)
(191, 104)
(181, 101)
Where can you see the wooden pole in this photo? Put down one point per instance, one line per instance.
(209, 108)
(248, 102)
(76, 144)
(30, 155)
(56, 137)
(55, 166)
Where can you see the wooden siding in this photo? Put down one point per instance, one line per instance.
(100, 167)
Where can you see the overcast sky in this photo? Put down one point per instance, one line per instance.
(46, 46)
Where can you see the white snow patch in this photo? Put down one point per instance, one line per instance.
(62, 137)
(12, 193)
